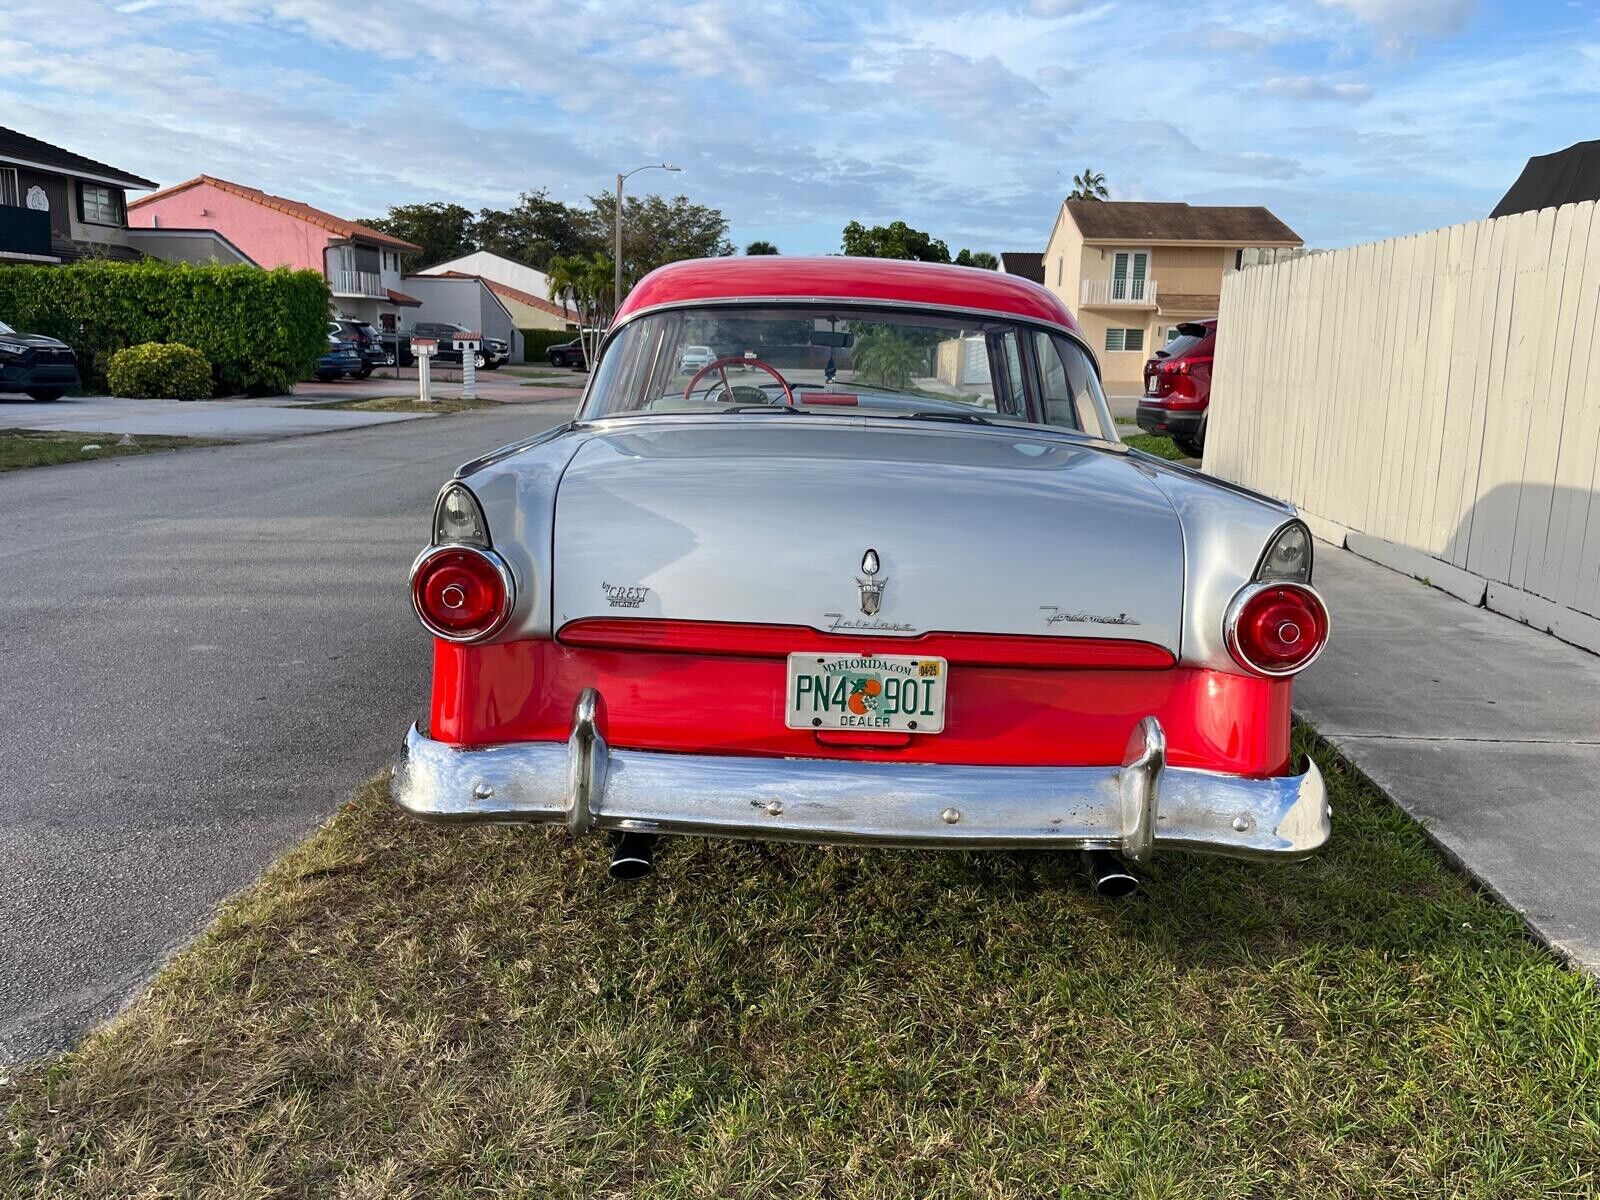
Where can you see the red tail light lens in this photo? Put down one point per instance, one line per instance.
(461, 593)
(1276, 628)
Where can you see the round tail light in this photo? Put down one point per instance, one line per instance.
(1276, 628)
(461, 593)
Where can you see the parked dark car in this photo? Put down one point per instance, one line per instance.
(1177, 386)
(568, 354)
(38, 366)
(367, 341)
(493, 353)
(341, 359)
(396, 349)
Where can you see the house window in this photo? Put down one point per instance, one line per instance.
(99, 205)
(1124, 339)
(9, 192)
(1129, 269)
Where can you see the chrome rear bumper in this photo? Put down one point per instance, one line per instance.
(584, 785)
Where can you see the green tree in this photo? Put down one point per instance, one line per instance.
(978, 258)
(536, 230)
(1091, 185)
(760, 248)
(583, 284)
(657, 231)
(897, 240)
(444, 231)
(887, 358)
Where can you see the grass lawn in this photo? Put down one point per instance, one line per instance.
(46, 448)
(400, 1010)
(1154, 443)
(409, 404)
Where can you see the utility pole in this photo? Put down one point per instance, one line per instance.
(616, 221)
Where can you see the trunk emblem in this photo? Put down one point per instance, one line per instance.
(871, 587)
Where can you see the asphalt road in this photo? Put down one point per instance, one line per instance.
(201, 655)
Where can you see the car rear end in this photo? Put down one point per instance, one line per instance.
(658, 681)
(1177, 385)
(341, 359)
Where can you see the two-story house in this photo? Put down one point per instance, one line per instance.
(56, 206)
(1132, 271)
(361, 265)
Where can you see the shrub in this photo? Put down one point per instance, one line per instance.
(159, 369)
(536, 341)
(260, 330)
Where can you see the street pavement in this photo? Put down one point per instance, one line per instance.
(1485, 730)
(204, 653)
(264, 418)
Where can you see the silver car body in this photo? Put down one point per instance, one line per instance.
(1023, 530)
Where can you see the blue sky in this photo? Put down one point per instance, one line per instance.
(1352, 119)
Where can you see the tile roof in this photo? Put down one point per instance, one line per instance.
(1246, 225)
(14, 145)
(1029, 266)
(511, 293)
(294, 208)
(403, 300)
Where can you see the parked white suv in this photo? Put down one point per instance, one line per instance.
(695, 357)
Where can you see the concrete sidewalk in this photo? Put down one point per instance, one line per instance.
(1486, 731)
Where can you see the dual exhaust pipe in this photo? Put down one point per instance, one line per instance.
(633, 857)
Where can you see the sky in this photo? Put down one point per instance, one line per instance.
(1353, 120)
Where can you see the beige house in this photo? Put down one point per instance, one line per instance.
(1132, 271)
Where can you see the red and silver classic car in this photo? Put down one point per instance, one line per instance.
(878, 571)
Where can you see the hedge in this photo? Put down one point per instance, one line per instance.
(155, 369)
(260, 330)
(536, 341)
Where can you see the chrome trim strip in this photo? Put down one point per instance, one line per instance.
(861, 803)
(1230, 625)
(494, 560)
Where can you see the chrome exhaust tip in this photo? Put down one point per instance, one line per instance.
(633, 856)
(1111, 879)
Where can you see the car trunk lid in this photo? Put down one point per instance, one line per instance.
(769, 520)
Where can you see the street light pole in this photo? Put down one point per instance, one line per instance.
(616, 221)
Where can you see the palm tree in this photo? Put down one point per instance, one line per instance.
(887, 358)
(1091, 185)
(761, 248)
(584, 285)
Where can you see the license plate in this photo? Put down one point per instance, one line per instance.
(1153, 386)
(888, 693)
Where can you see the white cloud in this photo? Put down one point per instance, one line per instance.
(1305, 87)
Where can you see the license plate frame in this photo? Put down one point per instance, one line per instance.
(833, 692)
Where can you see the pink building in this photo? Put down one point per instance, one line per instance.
(361, 265)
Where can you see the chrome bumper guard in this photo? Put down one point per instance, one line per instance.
(585, 785)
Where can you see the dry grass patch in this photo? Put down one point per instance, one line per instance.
(48, 447)
(400, 1010)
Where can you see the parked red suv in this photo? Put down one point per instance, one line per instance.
(1177, 386)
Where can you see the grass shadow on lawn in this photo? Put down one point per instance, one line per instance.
(408, 1010)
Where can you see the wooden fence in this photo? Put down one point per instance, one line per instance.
(1433, 402)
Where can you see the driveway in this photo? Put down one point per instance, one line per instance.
(204, 653)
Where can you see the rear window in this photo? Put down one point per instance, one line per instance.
(1188, 337)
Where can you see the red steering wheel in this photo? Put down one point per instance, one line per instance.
(721, 366)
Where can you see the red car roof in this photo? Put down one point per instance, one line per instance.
(775, 277)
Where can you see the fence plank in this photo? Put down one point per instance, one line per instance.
(1457, 412)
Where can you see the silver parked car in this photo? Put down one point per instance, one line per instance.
(896, 583)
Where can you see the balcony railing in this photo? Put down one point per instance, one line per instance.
(1140, 292)
(24, 231)
(358, 283)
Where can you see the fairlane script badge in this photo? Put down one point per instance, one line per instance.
(624, 597)
(1082, 618)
